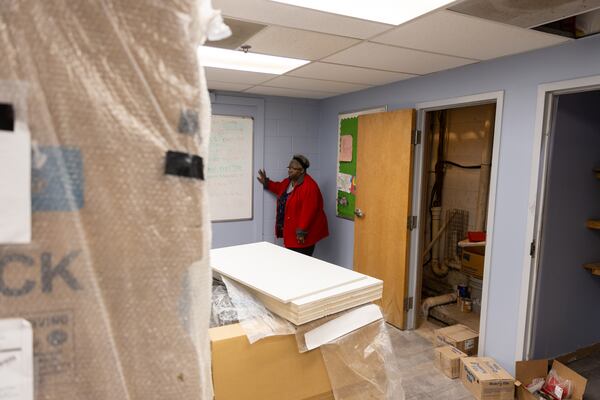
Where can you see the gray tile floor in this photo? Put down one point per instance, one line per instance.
(589, 368)
(421, 380)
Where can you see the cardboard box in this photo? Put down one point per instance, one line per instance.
(472, 261)
(447, 359)
(526, 371)
(270, 369)
(463, 338)
(486, 379)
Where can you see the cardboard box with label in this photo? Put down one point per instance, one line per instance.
(459, 336)
(527, 371)
(270, 369)
(472, 261)
(447, 359)
(486, 379)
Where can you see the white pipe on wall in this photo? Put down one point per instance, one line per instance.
(440, 269)
(484, 182)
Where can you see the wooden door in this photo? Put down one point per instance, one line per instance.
(383, 198)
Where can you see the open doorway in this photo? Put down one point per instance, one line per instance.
(561, 277)
(566, 290)
(454, 192)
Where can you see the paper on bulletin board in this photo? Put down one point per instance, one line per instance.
(15, 186)
(16, 360)
(344, 182)
(346, 143)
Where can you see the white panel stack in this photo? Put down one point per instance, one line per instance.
(296, 287)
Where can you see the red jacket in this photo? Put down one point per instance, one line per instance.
(303, 211)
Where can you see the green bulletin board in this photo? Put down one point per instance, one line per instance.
(347, 171)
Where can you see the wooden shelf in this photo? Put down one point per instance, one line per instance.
(593, 223)
(594, 268)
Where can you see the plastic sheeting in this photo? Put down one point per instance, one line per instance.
(360, 365)
(116, 282)
(223, 311)
(255, 319)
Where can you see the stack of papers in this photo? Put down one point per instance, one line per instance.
(298, 288)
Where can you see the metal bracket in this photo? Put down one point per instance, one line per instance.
(408, 303)
(416, 138)
(532, 249)
(412, 222)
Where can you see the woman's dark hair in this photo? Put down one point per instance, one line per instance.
(303, 161)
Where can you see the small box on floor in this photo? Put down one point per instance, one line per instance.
(463, 338)
(486, 379)
(447, 359)
(527, 371)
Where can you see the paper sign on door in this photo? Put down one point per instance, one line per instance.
(16, 360)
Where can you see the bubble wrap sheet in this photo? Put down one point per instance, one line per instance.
(115, 282)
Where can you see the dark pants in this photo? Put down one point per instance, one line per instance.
(304, 250)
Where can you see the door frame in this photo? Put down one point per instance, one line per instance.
(415, 272)
(545, 113)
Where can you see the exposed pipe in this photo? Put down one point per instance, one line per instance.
(439, 268)
(430, 302)
(484, 182)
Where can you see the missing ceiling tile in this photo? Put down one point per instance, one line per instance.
(241, 32)
(525, 13)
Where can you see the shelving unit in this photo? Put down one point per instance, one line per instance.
(593, 223)
(594, 268)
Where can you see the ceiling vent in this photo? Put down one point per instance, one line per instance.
(241, 32)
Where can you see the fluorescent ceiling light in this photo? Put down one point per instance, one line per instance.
(238, 60)
(393, 12)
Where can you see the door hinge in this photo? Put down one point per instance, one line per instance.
(416, 139)
(532, 249)
(408, 303)
(412, 222)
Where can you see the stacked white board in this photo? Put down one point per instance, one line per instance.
(296, 287)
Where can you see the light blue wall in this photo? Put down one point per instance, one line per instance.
(518, 76)
(283, 126)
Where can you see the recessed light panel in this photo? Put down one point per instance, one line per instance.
(241, 61)
(393, 12)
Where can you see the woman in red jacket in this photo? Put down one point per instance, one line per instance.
(301, 220)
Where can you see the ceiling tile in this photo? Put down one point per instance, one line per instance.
(233, 76)
(379, 56)
(234, 87)
(465, 36)
(275, 91)
(346, 73)
(273, 13)
(315, 84)
(295, 43)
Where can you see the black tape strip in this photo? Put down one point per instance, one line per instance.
(7, 117)
(184, 164)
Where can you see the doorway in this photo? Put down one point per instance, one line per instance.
(455, 182)
(566, 248)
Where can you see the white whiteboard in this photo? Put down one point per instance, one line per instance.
(229, 168)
